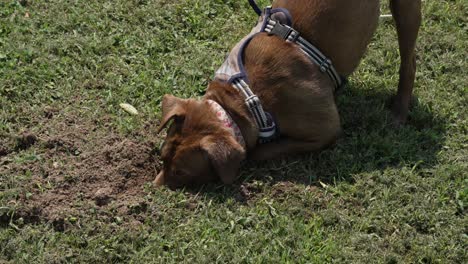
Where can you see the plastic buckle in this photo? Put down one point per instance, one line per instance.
(293, 36)
(281, 31)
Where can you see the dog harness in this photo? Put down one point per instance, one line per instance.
(227, 122)
(276, 22)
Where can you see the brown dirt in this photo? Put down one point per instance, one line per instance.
(84, 168)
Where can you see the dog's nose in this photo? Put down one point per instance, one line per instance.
(159, 181)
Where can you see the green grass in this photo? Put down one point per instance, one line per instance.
(381, 195)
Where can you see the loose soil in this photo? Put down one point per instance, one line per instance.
(83, 168)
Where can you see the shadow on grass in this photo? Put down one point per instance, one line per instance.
(370, 143)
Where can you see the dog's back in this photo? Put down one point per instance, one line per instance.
(341, 29)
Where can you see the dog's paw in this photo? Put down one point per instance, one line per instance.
(398, 120)
(400, 111)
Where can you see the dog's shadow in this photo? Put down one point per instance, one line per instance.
(370, 143)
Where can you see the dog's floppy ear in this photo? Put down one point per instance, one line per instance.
(225, 155)
(172, 108)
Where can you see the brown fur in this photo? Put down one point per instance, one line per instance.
(198, 150)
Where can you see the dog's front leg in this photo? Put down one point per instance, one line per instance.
(407, 15)
(286, 146)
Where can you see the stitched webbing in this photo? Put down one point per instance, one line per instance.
(263, 120)
(289, 34)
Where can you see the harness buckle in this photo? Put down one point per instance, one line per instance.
(276, 28)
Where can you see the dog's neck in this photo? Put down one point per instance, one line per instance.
(227, 122)
(233, 103)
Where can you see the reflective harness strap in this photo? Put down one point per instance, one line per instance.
(290, 35)
(267, 128)
(264, 121)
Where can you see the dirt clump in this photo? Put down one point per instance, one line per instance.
(13, 143)
(25, 141)
(103, 196)
(4, 150)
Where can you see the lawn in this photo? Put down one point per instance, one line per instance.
(75, 168)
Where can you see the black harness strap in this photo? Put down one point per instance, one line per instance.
(255, 7)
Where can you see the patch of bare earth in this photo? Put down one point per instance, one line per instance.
(84, 168)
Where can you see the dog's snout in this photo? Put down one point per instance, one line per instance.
(159, 181)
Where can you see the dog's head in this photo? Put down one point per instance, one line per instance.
(197, 149)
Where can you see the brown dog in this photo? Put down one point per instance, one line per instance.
(200, 149)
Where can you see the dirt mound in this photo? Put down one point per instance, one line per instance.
(115, 174)
(83, 169)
